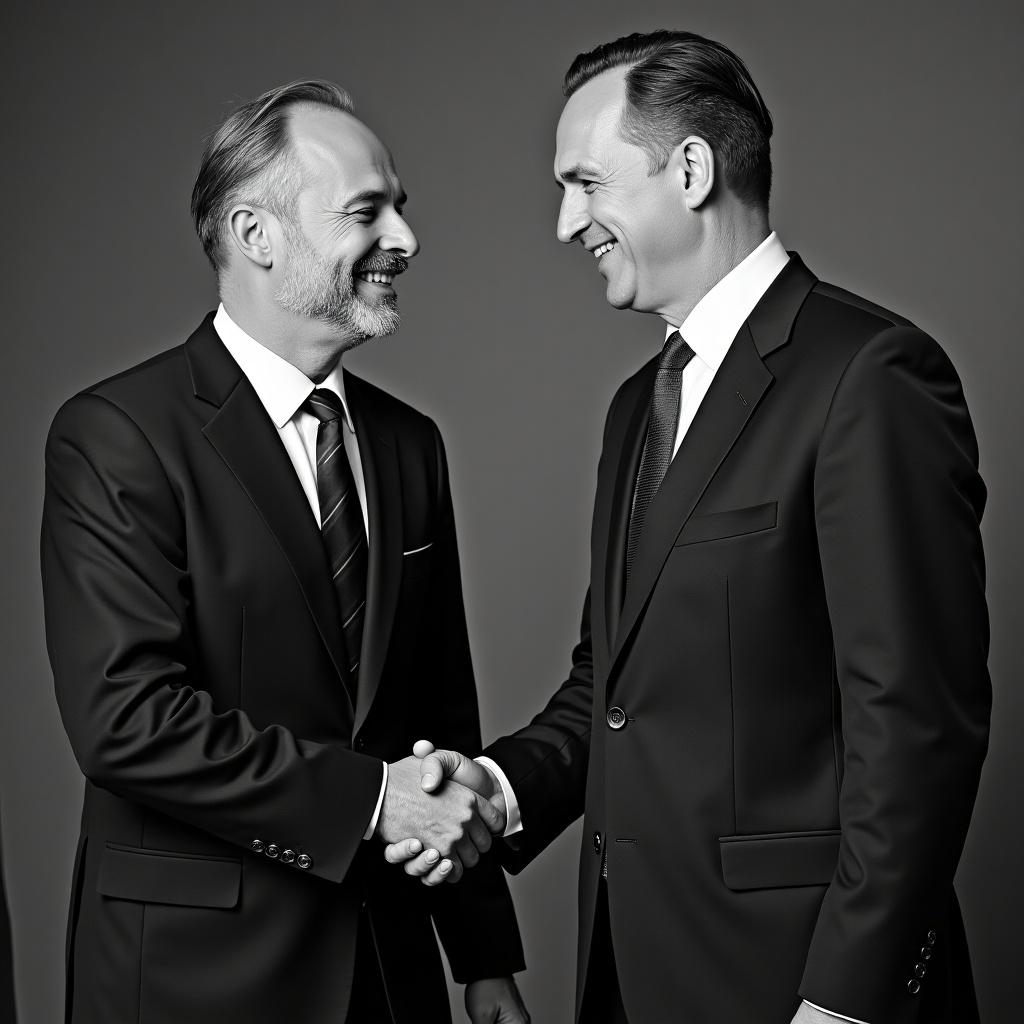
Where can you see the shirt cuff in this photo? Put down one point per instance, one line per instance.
(837, 1016)
(372, 827)
(513, 820)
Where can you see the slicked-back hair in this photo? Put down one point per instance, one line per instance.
(680, 84)
(249, 159)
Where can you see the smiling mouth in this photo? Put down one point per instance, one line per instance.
(604, 248)
(376, 277)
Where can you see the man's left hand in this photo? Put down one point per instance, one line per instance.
(495, 1001)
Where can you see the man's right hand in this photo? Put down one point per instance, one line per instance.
(451, 819)
(444, 768)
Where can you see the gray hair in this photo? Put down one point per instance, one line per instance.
(249, 159)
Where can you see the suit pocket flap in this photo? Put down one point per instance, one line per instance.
(156, 876)
(778, 859)
(734, 523)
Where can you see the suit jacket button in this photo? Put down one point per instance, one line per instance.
(913, 986)
(920, 970)
(287, 856)
(616, 718)
(931, 938)
(597, 842)
(257, 846)
(304, 861)
(273, 851)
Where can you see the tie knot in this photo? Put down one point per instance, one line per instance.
(325, 405)
(676, 353)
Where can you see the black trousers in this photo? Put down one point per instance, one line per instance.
(369, 1002)
(602, 998)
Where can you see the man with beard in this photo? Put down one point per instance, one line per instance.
(253, 605)
(778, 709)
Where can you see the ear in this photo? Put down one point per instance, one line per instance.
(250, 230)
(694, 164)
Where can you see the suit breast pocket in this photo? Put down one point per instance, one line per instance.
(736, 522)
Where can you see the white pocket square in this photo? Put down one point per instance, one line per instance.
(416, 551)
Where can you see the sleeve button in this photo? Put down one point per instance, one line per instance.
(932, 938)
(304, 861)
(913, 986)
(920, 970)
(287, 856)
(926, 953)
(257, 846)
(273, 851)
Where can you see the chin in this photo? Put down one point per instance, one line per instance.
(620, 300)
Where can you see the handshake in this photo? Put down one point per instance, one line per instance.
(439, 812)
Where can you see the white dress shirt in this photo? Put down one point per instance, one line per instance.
(709, 330)
(282, 389)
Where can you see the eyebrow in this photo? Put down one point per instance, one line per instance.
(375, 195)
(576, 172)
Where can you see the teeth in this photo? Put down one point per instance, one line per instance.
(603, 248)
(377, 278)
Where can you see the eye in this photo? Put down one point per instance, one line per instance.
(366, 211)
(588, 186)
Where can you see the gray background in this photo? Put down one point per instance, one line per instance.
(897, 154)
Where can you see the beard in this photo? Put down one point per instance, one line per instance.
(317, 289)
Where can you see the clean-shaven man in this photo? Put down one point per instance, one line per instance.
(778, 708)
(253, 604)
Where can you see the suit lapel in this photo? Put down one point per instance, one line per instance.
(614, 500)
(245, 438)
(379, 456)
(736, 391)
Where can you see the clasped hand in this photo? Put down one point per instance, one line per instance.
(443, 810)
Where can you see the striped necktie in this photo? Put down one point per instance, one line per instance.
(661, 436)
(341, 520)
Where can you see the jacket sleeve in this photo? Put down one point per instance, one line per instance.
(128, 681)
(898, 503)
(475, 919)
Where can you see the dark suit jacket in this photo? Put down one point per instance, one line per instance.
(800, 655)
(195, 644)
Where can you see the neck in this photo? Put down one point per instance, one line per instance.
(309, 345)
(728, 234)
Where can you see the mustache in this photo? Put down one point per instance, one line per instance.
(382, 263)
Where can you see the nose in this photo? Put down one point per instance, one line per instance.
(398, 237)
(573, 218)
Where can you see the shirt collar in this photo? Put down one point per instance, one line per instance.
(280, 386)
(715, 320)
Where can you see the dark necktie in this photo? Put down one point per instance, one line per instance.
(661, 435)
(341, 520)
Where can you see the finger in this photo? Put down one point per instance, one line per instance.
(449, 868)
(422, 747)
(436, 767)
(478, 835)
(422, 865)
(467, 852)
(490, 815)
(398, 853)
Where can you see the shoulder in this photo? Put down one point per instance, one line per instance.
(151, 381)
(385, 412)
(852, 337)
(141, 393)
